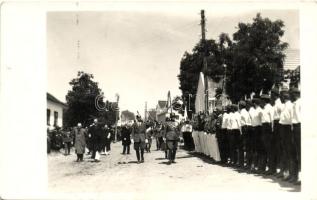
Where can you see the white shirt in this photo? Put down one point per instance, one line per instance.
(278, 106)
(187, 128)
(267, 113)
(245, 118)
(287, 113)
(224, 123)
(234, 121)
(255, 116)
(296, 112)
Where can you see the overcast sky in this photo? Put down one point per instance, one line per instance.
(136, 54)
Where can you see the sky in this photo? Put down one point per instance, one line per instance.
(137, 54)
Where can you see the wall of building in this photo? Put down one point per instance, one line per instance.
(59, 109)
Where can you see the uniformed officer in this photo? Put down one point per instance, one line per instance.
(296, 134)
(224, 147)
(244, 146)
(139, 135)
(256, 131)
(267, 133)
(286, 131)
(171, 137)
(276, 146)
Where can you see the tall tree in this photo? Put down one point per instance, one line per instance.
(192, 64)
(257, 57)
(81, 100)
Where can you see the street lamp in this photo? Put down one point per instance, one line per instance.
(117, 113)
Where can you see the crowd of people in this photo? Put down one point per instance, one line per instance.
(259, 135)
(96, 140)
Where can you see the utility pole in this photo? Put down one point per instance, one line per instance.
(117, 115)
(145, 112)
(203, 40)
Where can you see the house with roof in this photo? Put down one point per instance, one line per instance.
(54, 111)
(127, 117)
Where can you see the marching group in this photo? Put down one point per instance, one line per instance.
(260, 135)
(96, 139)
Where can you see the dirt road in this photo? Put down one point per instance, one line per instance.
(120, 173)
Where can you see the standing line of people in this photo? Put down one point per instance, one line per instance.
(262, 135)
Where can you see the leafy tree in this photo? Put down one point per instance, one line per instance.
(192, 64)
(257, 56)
(81, 100)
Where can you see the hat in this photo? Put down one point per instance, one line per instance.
(265, 96)
(256, 100)
(242, 103)
(294, 90)
(275, 91)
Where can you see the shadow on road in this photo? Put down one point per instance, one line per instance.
(273, 179)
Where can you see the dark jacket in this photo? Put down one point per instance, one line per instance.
(139, 132)
(125, 135)
(171, 132)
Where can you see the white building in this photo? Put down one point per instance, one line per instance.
(54, 111)
(200, 94)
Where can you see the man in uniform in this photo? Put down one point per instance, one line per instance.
(92, 133)
(276, 147)
(286, 131)
(256, 131)
(139, 135)
(224, 144)
(267, 132)
(296, 147)
(171, 137)
(245, 137)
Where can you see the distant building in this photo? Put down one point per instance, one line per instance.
(292, 59)
(152, 114)
(54, 111)
(127, 117)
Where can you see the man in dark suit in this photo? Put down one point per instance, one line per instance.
(126, 140)
(139, 136)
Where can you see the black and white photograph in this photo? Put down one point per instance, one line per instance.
(151, 103)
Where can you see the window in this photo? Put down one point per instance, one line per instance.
(55, 118)
(48, 115)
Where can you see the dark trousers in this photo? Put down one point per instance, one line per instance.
(233, 145)
(140, 154)
(220, 134)
(159, 142)
(172, 154)
(242, 143)
(266, 142)
(126, 148)
(286, 147)
(275, 151)
(247, 131)
(257, 145)
(225, 145)
(148, 145)
(296, 150)
(108, 144)
(80, 157)
(67, 147)
(188, 140)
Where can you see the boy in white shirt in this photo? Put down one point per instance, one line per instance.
(234, 133)
(256, 123)
(286, 131)
(244, 138)
(267, 132)
(296, 134)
